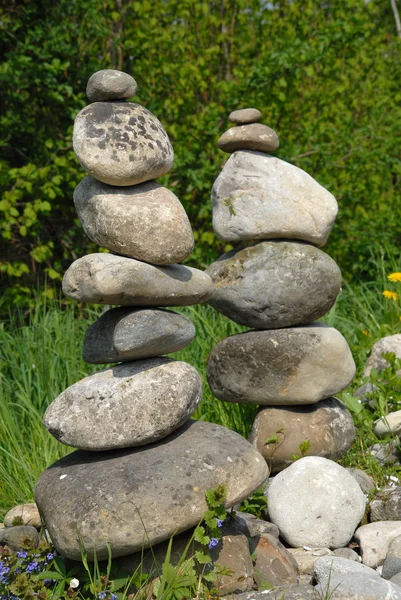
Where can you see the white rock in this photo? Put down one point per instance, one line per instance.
(391, 423)
(374, 540)
(391, 343)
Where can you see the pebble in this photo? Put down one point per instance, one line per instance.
(253, 136)
(274, 284)
(386, 454)
(386, 505)
(306, 558)
(392, 562)
(249, 525)
(232, 553)
(146, 221)
(257, 196)
(26, 514)
(365, 481)
(110, 84)
(391, 423)
(15, 536)
(128, 405)
(327, 426)
(108, 279)
(299, 365)
(113, 496)
(315, 502)
(274, 564)
(245, 115)
(121, 143)
(294, 591)
(124, 334)
(374, 540)
(388, 344)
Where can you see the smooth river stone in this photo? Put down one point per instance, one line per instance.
(300, 365)
(108, 279)
(245, 115)
(328, 426)
(274, 284)
(139, 497)
(121, 143)
(123, 334)
(110, 84)
(253, 136)
(146, 221)
(257, 196)
(131, 404)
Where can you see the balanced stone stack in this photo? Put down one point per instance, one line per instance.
(142, 467)
(278, 283)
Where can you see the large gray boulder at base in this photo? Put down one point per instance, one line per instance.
(274, 284)
(131, 404)
(299, 365)
(121, 143)
(257, 196)
(123, 334)
(146, 221)
(108, 279)
(138, 497)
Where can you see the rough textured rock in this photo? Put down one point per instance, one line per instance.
(146, 221)
(347, 553)
(315, 502)
(391, 343)
(327, 426)
(374, 540)
(358, 586)
(123, 334)
(365, 481)
(249, 525)
(285, 592)
(396, 579)
(274, 565)
(25, 514)
(306, 558)
(386, 505)
(387, 453)
(392, 562)
(257, 196)
(328, 566)
(121, 143)
(139, 497)
(232, 552)
(110, 84)
(253, 136)
(15, 536)
(245, 115)
(293, 366)
(109, 279)
(131, 404)
(275, 284)
(391, 423)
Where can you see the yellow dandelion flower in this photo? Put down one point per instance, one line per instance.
(390, 295)
(365, 332)
(394, 277)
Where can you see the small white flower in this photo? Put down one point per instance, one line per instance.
(74, 583)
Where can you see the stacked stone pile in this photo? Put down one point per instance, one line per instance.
(278, 283)
(142, 467)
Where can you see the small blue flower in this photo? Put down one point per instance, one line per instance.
(33, 566)
(22, 554)
(213, 542)
(101, 595)
(219, 522)
(50, 556)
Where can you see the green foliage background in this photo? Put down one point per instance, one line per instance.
(324, 74)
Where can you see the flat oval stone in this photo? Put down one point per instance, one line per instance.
(123, 334)
(146, 221)
(121, 143)
(110, 84)
(109, 279)
(253, 136)
(131, 404)
(245, 115)
(135, 498)
(327, 426)
(274, 284)
(300, 365)
(257, 196)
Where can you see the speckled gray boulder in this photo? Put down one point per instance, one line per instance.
(146, 221)
(275, 284)
(123, 334)
(121, 143)
(299, 365)
(108, 279)
(131, 404)
(252, 136)
(139, 497)
(110, 84)
(315, 502)
(257, 196)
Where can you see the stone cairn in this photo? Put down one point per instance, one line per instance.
(278, 283)
(142, 467)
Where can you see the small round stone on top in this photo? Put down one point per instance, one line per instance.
(245, 115)
(110, 84)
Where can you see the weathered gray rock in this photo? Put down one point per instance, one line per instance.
(391, 423)
(365, 481)
(121, 143)
(396, 579)
(110, 84)
(249, 525)
(386, 505)
(389, 344)
(131, 404)
(139, 497)
(24, 514)
(146, 221)
(123, 334)
(275, 284)
(232, 553)
(315, 502)
(245, 115)
(347, 553)
(358, 586)
(108, 279)
(293, 591)
(392, 562)
(328, 566)
(253, 136)
(327, 425)
(300, 365)
(374, 540)
(386, 454)
(306, 558)
(274, 565)
(14, 537)
(257, 196)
